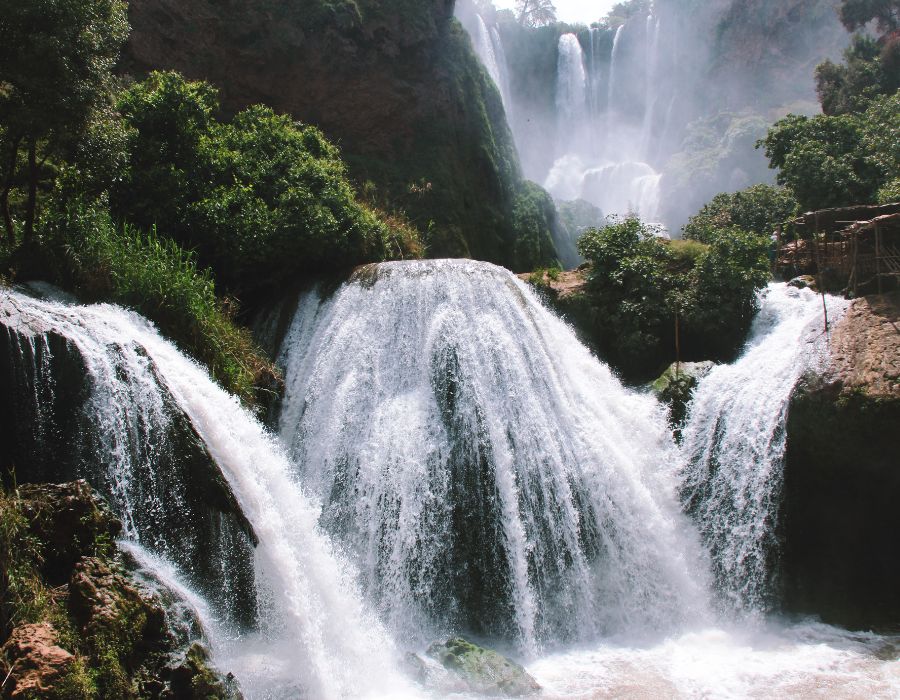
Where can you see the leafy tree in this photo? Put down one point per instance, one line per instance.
(261, 198)
(856, 14)
(867, 71)
(56, 60)
(535, 13)
(833, 161)
(758, 209)
(639, 283)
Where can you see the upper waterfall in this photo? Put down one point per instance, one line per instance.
(486, 472)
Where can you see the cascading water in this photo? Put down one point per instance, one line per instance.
(486, 46)
(734, 442)
(486, 472)
(571, 92)
(473, 460)
(314, 637)
(600, 156)
(613, 57)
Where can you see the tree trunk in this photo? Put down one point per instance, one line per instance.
(7, 186)
(32, 189)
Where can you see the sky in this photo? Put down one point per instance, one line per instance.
(572, 10)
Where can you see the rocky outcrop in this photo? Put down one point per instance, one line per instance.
(842, 482)
(36, 664)
(50, 431)
(396, 84)
(100, 633)
(482, 670)
(69, 520)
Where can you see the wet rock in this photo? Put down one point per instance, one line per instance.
(804, 282)
(36, 664)
(676, 385)
(113, 614)
(839, 519)
(484, 671)
(71, 521)
(195, 679)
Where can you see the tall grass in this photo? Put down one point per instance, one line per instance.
(157, 278)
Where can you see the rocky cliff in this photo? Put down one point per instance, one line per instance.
(842, 474)
(396, 84)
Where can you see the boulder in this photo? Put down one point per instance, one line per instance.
(676, 385)
(484, 671)
(839, 516)
(36, 663)
(194, 679)
(804, 282)
(112, 613)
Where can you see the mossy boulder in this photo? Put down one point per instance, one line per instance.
(37, 664)
(484, 671)
(676, 385)
(88, 627)
(839, 520)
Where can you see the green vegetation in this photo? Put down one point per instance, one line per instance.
(56, 62)
(851, 154)
(533, 215)
(161, 280)
(145, 197)
(642, 287)
(758, 209)
(260, 198)
(840, 160)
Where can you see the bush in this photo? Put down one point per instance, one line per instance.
(639, 283)
(160, 280)
(262, 199)
(758, 209)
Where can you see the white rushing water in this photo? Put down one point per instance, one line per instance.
(734, 441)
(455, 460)
(485, 470)
(315, 639)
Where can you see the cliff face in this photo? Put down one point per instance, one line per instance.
(769, 50)
(396, 84)
(842, 481)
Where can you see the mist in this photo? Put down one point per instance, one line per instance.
(657, 108)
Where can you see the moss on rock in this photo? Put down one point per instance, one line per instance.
(484, 670)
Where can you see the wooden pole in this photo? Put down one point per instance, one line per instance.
(855, 273)
(878, 256)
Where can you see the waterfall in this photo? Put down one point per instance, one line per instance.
(502, 69)
(734, 442)
(314, 635)
(613, 59)
(486, 48)
(571, 90)
(624, 188)
(485, 471)
(650, 97)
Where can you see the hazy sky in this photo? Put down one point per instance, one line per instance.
(572, 10)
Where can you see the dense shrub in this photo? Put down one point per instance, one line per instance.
(758, 209)
(160, 280)
(262, 199)
(639, 283)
